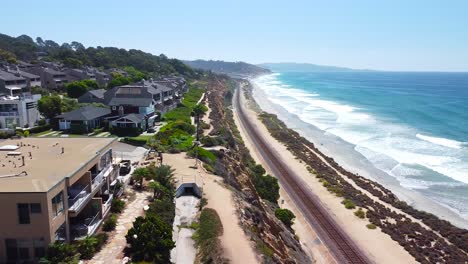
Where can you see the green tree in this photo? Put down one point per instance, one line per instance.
(150, 239)
(50, 106)
(76, 89)
(118, 80)
(61, 253)
(91, 84)
(198, 111)
(157, 188)
(285, 216)
(163, 174)
(69, 104)
(139, 174)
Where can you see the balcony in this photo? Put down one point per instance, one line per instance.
(85, 226)
(98, 179)
(80, 197)
(8, 113)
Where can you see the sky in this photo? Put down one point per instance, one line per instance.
(392, 35)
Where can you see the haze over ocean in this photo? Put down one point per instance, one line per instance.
(411, 125)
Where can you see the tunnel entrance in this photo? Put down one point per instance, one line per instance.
(188, 189)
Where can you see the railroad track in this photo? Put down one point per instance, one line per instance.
(340, 245)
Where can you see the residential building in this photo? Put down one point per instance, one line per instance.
(92, 96)
(18, 111)
(84, 119)
(79, 74)
(102, 78)
(50, 77)
(42, 203)
(13, 84)
(132, 99)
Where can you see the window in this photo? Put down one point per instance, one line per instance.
(39, 247)
(11, 249)
(57, 204)
(23, 248)
(36, 208)
(23, 214)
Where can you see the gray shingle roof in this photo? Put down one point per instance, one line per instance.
(136, 118)
(85, 113)
(10, 76)
(99, 93)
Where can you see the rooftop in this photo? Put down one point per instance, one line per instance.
(7, 76)
(85, 113)
(46, 166)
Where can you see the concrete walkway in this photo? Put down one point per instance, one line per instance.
(112, 252)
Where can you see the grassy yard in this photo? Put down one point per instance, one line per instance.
(177, 133)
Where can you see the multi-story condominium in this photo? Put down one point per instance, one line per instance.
(79, 74)
(50, 78)
(12, 84)
(52, 189)
(18, 111)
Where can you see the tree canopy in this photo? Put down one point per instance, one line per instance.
(78, 88)
(150, 239)
(75, 54)
(50, 106)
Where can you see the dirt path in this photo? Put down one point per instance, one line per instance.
(237, 246)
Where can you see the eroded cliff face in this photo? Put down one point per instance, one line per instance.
(274, 241)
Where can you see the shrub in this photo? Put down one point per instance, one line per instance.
(150, 239)
(207, 236)
(212, 141)
(61, 253)
(371, 226)
(91, 245)
(267, 187)
(117, 206)
(4, 135)
(348, 204)
(203, 154)
(360, 213)
(26, 133)
(285, 216)
(110, 223)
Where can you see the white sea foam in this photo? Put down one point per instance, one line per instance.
(442, 141)
(385, 144)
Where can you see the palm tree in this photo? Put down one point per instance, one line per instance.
(163, 174)
(139, 174)
(197, 111)
(157, 188)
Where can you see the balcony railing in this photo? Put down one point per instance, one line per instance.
(107, 205)
(8, 113)
(79, 199)
(99, 178)
(87, 227)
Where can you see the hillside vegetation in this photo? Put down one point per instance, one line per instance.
(230, 68)
(76, 55)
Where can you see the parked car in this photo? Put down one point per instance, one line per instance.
(125, 167)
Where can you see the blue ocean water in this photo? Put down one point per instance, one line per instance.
(412, 126)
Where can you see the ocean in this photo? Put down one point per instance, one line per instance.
(408, 126)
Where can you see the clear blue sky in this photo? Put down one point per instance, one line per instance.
(388, 35)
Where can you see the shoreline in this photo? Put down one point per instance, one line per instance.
(397, 220)
(377, 246)
(335, 147)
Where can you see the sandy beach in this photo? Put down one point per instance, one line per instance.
(378, 247)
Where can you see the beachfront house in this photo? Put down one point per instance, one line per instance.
(83, 120)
